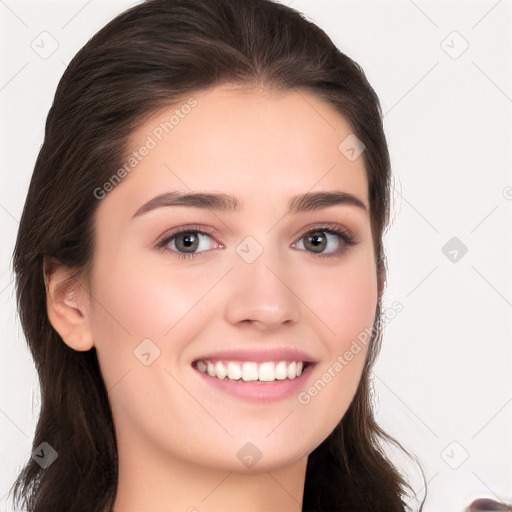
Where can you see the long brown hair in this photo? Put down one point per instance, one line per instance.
(147, 58)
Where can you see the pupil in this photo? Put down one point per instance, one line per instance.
(189, 240)
(315, 238)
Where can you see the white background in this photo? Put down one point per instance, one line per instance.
(443, 377)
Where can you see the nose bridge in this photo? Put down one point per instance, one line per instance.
(261, 292)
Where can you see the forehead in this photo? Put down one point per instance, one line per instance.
(249, 142)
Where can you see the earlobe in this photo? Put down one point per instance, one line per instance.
(67, 305)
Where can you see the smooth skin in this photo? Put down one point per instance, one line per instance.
(178, 438)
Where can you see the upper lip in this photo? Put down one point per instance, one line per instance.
(260, 354)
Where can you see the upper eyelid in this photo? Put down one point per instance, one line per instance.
(187, 228)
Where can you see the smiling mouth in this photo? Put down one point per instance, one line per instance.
(251, 371)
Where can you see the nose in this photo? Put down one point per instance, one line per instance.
(262, 293)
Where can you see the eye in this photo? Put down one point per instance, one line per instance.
(184, 241)
(188, 242)
(333, 235)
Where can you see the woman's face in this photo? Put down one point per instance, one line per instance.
(258, 284)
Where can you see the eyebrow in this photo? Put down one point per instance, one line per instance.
(300, 203)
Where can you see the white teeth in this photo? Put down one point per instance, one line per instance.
(251, 371)
(292, 370)
(221, 370)
(234, 371)
(266, 372)
(280, 370)
(210, 369)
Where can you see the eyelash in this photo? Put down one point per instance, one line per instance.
(332, 229)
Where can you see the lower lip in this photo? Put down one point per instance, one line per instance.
(257, 391)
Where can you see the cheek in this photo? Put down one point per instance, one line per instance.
(344, 298)
(344, 303)
(133, 303)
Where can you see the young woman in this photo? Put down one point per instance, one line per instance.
(200, 269)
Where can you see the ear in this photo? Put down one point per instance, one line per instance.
(67, 305)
